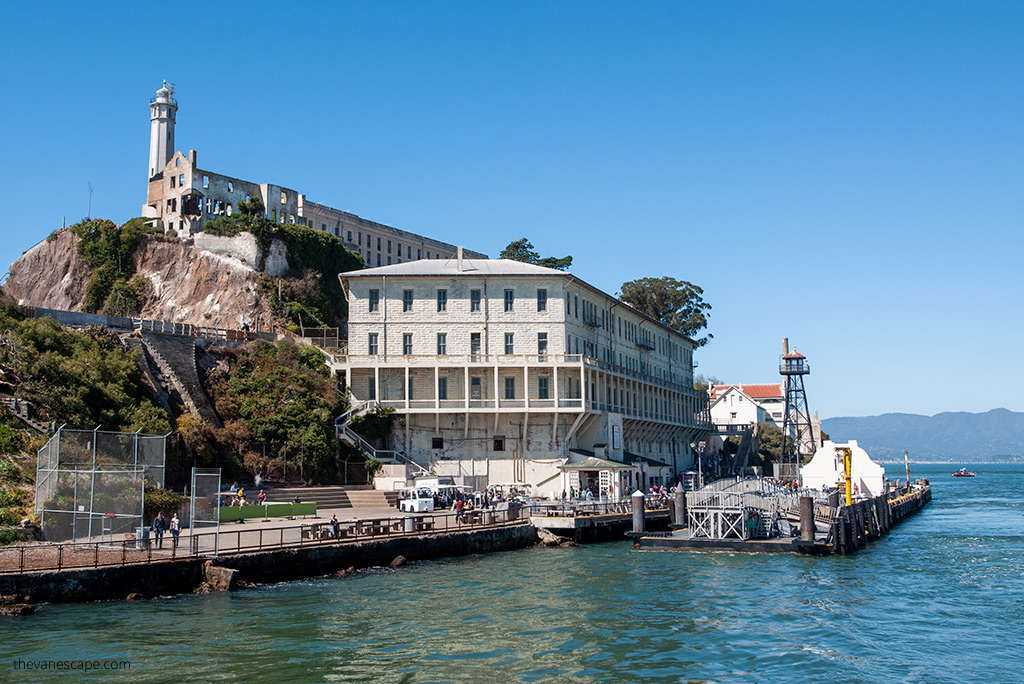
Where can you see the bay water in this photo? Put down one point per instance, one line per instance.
(941, 599)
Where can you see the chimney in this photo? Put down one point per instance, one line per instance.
(192, 157)
(459, 257)
(785, 346)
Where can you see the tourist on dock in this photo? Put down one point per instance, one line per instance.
(459, 505)
(158, 526)
(563, 495)
(334, 526)
(175, 530)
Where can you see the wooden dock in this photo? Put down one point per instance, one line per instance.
(845, 530)
(588, 522)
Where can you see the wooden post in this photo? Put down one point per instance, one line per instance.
(806, 519)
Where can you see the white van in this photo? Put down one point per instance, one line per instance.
(416, 500)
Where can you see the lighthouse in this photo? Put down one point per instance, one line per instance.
(162, 110)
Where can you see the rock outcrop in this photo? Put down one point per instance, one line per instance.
(187, 285)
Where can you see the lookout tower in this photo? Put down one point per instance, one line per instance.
(796, 421)
(162, 110)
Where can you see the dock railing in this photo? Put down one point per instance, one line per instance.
(37, 557)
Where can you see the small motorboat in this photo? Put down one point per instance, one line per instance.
(963, 472)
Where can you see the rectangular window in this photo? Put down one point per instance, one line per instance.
(499, 443)
(474, 300)
(419, 253)
(442, 344)
(442, 389)
(371, 344)
(442, 300)
(542, 387)
(389, 246)
(475, 388)
(437, 443)
(360, 239)
(474, 345)
(406, 300)
(407, 344)
(374, 300)
(509, 299)
(371, 390)
(542, 300)
(508, 343)
(378, 244)
(408, 391)
(350, 236)
(542, 344)
(510, 387)
(378, 259)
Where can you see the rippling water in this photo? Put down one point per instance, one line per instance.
(940, 599)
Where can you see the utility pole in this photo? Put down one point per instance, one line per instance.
(89, 214)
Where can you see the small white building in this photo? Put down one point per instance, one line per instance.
(826, 469)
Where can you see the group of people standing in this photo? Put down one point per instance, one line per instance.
(160, 525)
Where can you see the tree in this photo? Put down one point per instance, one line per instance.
(677, 304)
(702, 383)
(522, 250)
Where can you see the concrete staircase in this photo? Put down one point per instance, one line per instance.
(19, 409)
(176, 359)
(350, 496)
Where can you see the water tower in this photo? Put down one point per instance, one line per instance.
(796, 421)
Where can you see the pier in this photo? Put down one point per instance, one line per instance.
(756, 515)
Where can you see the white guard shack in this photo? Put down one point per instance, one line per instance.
(826, 469)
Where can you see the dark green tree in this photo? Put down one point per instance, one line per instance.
(677, 304)
(522, 250)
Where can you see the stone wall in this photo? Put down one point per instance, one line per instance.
(186, 575)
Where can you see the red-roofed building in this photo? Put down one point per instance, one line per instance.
(744, 405)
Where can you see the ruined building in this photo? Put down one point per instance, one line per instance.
(184, 197)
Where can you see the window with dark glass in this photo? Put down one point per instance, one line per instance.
(474, 300)
(509, 299)
(406, 300)
(407, 343)
(442, 300)
(510, 387)
(442, 344)
(542, 300)
(371, 344)
(508, 343)
(542, 387)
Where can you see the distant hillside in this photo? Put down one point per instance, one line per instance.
(997, 435)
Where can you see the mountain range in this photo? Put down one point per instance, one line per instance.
(996, 435)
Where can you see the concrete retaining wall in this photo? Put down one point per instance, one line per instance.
(184, 576)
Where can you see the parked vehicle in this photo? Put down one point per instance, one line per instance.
(416, 500)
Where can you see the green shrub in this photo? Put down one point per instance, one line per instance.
(7, 536)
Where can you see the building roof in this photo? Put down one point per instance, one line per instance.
(450, 267)
(794, 355)
(595, 463)
(769, 391)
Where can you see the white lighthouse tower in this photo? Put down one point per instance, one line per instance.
(162, 110)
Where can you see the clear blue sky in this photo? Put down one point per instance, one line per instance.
(847, 175)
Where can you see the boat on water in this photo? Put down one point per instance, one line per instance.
(963, 472)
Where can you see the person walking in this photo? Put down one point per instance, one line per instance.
(175, 530)
(158, 527)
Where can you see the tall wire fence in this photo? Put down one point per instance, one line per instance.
(90, 484)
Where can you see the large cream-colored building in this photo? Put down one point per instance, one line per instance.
(509, 372)
(184, 197)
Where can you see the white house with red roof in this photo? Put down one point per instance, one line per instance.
(744, 405)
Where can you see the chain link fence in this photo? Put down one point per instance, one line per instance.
(90, 485)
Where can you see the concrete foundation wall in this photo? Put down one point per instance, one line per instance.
(184, 576)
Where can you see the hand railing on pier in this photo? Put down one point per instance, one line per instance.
(35, 557)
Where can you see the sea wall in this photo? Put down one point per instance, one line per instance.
(185, 575)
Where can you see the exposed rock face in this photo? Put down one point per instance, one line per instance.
(188, 285)
(220, 579)
(52, 275)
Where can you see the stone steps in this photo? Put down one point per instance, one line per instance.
(176, 358)
(349, 496)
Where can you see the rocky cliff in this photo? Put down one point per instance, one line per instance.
(187, 285)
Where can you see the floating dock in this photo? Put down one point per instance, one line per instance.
(759, 516)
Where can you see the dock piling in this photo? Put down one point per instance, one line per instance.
(806, 518)
(638, 511)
